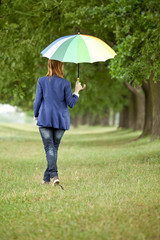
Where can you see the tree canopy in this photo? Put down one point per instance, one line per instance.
(131, 27)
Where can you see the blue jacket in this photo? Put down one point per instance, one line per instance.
(52, 98)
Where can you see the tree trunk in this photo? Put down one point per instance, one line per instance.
(147, 128)
(123, 120)
(105, 120)
(76, 121)
(155, 96)
(114, 119)
(84, 118)
(131, 111)
(96, 120)
(136, 112)
(90, 118)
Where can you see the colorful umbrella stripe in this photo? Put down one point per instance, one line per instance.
(79, 48)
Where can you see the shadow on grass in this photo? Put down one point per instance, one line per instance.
(109, 137)
(113, 138)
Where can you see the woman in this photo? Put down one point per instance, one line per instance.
(53, 96)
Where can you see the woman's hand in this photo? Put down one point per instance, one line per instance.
(78, 87)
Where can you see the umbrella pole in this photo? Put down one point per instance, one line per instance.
(78, 73)
(78, 63)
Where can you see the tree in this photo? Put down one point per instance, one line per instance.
(132, 28)
(138, 52)
(136, 28)
(27, 28)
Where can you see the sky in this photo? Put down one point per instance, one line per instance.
(10, 114)
(7, 108)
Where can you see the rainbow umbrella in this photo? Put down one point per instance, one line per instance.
(78, 48)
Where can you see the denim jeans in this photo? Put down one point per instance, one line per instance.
(51, 138)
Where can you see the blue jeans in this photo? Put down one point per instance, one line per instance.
(51, 138)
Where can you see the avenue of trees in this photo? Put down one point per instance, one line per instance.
(129, 83)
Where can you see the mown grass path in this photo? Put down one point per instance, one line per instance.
(112, 187)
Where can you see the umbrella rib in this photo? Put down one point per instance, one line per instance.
(61, 51)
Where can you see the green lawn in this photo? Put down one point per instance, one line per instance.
(112, 187)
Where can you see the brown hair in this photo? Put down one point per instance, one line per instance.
(55, 67)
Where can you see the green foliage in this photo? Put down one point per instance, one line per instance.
(137, 34)
(27, 28)
(132, 28)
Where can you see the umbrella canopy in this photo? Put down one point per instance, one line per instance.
(78, 48)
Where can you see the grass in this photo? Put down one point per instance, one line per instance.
(111, 183)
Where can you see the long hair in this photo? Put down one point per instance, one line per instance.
(55, 67)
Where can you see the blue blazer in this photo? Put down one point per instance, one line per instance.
(53, 96)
